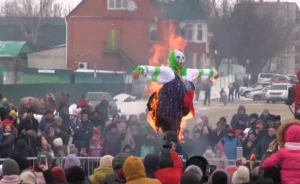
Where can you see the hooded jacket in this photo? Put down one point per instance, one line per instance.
(235, 118)
(134, 172)
(171, 175)
(7, 144)
(22, 148)
(99, 174)
(117, 164)
(288, 138)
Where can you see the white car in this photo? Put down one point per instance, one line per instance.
(278, 92)
(258, 95)
(257, 86)
(264, 77)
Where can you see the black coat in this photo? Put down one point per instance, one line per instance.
(262, 146)
(22, 148)
(7, 144)
(215, 138)
(24, 124)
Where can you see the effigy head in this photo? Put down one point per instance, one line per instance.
(176, 59)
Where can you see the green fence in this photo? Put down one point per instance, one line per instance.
(15, 92)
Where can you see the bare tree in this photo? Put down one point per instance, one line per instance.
(31, 15)
(252, 33)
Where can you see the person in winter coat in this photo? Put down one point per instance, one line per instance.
(76, 175)
(235, 121)
(29, 120)
(7, 142)
(230, 143)
(128, 139)
(31, 138)
(170, 171)
(11, 171)
(59, 149)
(23, 148)
(217, 134)
(288, 139)
(241, 176)
(151, 163)
(248, 146)
(199, 147)
(117, 164)
(97, 121)
(112, 141)
(70, 161)
(188, 143)
(252, 121)
(105, 168)
(59, 176)
(83, 103)
(148, 146)
(134, 172)
(120, 178)
(262, 146)
(39, 173)
(219, 177)
(48, 119)
(103, 108)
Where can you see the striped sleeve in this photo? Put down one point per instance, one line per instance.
(157, 74)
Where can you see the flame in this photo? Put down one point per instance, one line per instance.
(160, 58)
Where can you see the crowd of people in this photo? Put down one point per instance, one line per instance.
(132, 152)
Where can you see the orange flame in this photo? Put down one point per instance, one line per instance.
(160, 57)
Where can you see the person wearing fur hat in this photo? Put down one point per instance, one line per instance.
(288, 139)
(105, 168)
(117, 164)
(241, 176)
(11, 172)
(59, 176)
(135, 173)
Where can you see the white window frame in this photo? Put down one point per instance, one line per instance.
(195, 28)
(152, 28)
(115, 2)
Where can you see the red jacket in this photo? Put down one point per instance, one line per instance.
(83, 104)
(171, 175)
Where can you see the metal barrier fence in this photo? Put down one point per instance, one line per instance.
(90, 163)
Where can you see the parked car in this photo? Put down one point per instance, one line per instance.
(94, 99)
(263, 77)
(258, 95)
(277, 92)
(257, 86)
(280, 79)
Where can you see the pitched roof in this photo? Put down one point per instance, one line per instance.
(52, 32)
(14, 49)
(181, 10)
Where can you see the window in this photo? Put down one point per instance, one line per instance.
(199, 32)
(192, 32)
(117, 4)
(153, 33)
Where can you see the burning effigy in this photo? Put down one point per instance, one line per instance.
(174, 100)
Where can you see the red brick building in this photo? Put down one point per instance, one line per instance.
(117, 35)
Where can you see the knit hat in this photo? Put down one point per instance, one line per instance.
(106, 161)
(118, 161)
(6, 122)
(20, 159)
(196, 171)
(75, 174)
(230, 170)
(219, 177)
(201, 162)
(189, 178)
(12, 113)
(151, 162)
(57, 142)
(4, 100)
(58, 174)
(241, 175)
(10, 167)
(70, 161)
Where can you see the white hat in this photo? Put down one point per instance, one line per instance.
(241, 175)
(58, 142)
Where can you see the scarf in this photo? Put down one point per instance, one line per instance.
(292, 146)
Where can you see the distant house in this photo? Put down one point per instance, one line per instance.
(52, 31)
(117, 35)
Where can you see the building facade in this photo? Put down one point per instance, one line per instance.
(117, 35)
